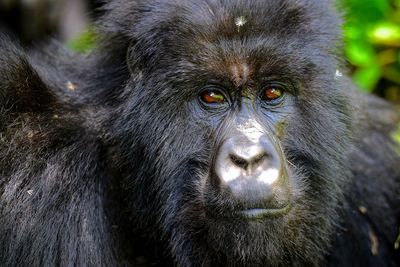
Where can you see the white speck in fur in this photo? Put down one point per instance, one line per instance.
(240, 22)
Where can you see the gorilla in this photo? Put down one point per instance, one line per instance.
(196, 133)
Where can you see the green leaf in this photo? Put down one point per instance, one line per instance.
(367, 78)
(385, 32)
(360, 53)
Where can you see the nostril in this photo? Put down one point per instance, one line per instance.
(245, 164)
(239, 161)
(258, 160)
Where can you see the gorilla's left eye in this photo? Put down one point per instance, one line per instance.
(271, 93)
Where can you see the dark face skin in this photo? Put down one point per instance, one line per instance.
(234, 108)
(248, 171)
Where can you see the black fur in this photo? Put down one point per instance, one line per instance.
(105, 158)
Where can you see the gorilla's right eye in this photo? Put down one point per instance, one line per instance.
(212, 96)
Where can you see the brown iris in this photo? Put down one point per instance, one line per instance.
(212, 97)
(272, 93)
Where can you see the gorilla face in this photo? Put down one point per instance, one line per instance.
(238, 128)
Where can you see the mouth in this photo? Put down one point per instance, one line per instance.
(261, 214)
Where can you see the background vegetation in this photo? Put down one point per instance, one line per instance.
(372, 45)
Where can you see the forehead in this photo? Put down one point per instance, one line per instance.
(240, 37)
(229, 18)
(143, 19)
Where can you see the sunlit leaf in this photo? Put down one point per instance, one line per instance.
(385, 32)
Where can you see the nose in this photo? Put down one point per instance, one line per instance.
(248, 159)
(251, 171)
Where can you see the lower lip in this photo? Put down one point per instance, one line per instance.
(258, 214)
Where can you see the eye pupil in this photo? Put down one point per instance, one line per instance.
(212, 97)
(272, 93)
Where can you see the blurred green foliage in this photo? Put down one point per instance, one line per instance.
(84, 42)
(372, 44)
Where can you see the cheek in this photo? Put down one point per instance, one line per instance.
(206, 122)
(277, 118)
(280, 128)
(279, 123)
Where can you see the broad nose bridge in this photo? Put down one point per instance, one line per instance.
(248, 131)
(248, 144)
